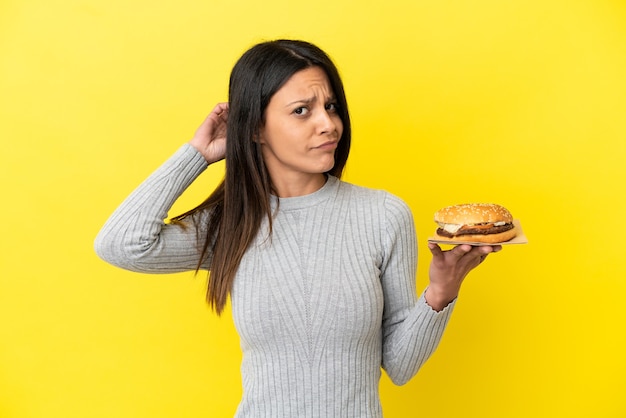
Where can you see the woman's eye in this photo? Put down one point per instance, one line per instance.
(331, 107)
(300, 111)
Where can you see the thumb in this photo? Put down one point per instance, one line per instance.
(435, 249)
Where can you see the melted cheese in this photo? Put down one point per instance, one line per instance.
(453, 228)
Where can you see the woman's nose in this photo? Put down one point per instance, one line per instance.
(326, 123)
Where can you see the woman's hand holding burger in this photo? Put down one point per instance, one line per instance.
(486, 223)
(449, 268)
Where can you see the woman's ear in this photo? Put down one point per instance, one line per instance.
(258, 138)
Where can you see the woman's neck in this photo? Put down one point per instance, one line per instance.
(298, 185)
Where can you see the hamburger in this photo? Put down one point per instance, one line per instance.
(475, 222)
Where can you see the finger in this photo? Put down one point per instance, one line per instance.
(488, 249)
(221, 107)
(461, 250)
(480, 252)
(435, 249)
(474, 256)
(219, 113)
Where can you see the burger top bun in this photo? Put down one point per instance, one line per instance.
(473, 213)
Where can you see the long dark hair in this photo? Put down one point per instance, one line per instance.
(238, 205)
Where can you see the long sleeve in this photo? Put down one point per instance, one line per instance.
(136, 237)
(411, 328)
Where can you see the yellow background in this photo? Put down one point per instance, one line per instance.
(517, 102)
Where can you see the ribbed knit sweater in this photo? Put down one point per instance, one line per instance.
(320, 306)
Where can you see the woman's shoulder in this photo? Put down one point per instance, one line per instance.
(363, 195)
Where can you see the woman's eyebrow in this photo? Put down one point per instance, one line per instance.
(310, 100)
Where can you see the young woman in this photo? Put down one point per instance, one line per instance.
(320, 273)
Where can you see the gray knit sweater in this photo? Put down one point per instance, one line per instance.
(320, 306)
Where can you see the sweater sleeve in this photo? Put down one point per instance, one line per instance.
(136, 238)
(411, 328)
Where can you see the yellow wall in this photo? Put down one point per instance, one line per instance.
(517, 102)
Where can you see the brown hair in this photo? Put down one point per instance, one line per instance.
(239, 204)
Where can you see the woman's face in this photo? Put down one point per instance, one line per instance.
(302, 127)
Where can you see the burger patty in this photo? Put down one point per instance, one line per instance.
(475, 231)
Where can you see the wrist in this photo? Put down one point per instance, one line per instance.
(197, 145)
(438, 299)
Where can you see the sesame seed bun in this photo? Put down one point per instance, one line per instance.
(475, 222)
(473, 213)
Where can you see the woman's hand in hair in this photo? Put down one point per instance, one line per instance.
(210, 138)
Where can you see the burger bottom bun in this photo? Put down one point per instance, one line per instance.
(486, 239)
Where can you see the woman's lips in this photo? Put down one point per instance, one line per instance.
(329, 145)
